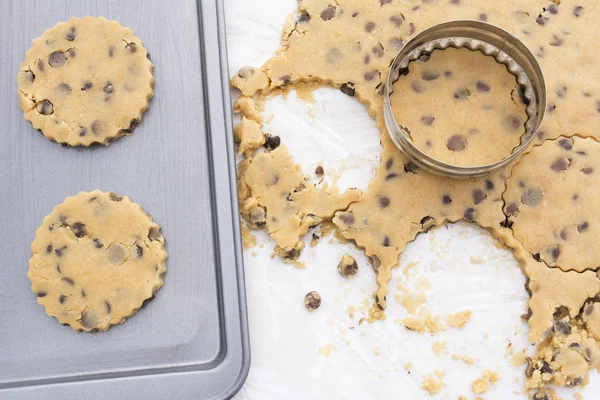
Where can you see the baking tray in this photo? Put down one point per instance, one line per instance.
(191, 341)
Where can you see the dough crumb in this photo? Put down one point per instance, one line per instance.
(433, 383)
(351, 310)
(482, 385)
(376, 350)
(440, 348)
(248, 239)
(246, 106)
(407, 365)
(248, 135)
(326, 350)
(347, 266)
(459, 319)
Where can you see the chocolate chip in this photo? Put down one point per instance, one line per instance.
(540, 20)
(553, 9)
(391, 176)
(470, 214)
(446, 199)
(483, 17)
(246, 72)
(131, 47)
(384, 2)
(108, 88)
(427, 120)
(312, 301)
(556, 41)
(44, 107)
(566, 144)
(447, 74)
(107, 306)
(303, 17)
(154, 233)
(396, 20)
(577, 11)
(386, 242)
(456, 143)
(348, 89)
(97, 128)
(482, 86)
(319, 171)
(62, 299)
(367, 59)
(59, 251)
(429, 75)
(561, 92)
(370, 27)
(347, 267)
(328, 13)
(355, 14)
(42, 294)
(378, 50)
(461, 94)
(115, 197)
(411, 29)
(82, 131)
(347, 218)
(98, 243)
(396, 43)
(425, 56)
(512, 123)
(411, 167)
(489, 185)
(40, 65)
(139, 251)
(87, 85)
(587, 170)
(28, 76)
(370, 75)
(78, 229)
(478, 196)
(416, 86)
(575, 381)
(561, 164)
(583, 227)
(384, 202)
(537, 257)
(71, 35)
(57, 59)
(555, 252)
(272, 142)
(589, 309)
(546, 368)
(68, 280)
(532, 197)
(89, 319)
(527, 317)
(63, 89)
(564, 235)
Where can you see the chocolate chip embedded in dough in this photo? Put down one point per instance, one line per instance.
(386, 242)
(328, 13)
(461, 94)
(370, 75)
(489, 185)
(114, 197)
(111, 51)
(45, 107)
(333, 56)
(470, 214)
(62, 298)
(117, 253)
(411, 29)
(566, 143)
(587, 170)
(319, 171)
(49, 249)
(303, 17)
(59, 251)
(417, 88)
(554, 252)
(561, 164)
(348, 89)
(564, 234)
(272, 142)
(370, 27)
(63, 89)
(154, 233)
(478, 196)
(367, 59)
(391, 176)
(108, 88)
(562, 92)
(87, 85)
(131, 48)
(384, 2)
(411, 168)
(139, 251)
(577, 11)
(551, 107)
(556, 41)
(553, 9)
(97, 127)
(40, 65)
(78, 229)
(312, 301)
(483, 17)
(71, 34)
(347, 218)
(28, 76)
(107, 307)
(285, 80)
(383, 201)
(482, 86)
(246, 72)
(427, 119)
(389, 163)
(456, 143)
(396, 20)
(425, 56)
(582, 227)
(98, 243)
(532, 197)
(57, 59)
(68, 280)
(82, 131)
(41, 294)
(512, 123)
(429, 75)
(89, 319)
(446, 199)
(378, 50)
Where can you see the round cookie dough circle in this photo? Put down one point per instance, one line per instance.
(85, 81)
(97, 258)
(552, 199)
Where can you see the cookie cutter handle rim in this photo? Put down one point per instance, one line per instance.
(507, 46)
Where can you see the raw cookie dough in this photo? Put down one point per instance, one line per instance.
(85, 81)
(552, 201)
(460, 107)
(350, 44)
(97, 258)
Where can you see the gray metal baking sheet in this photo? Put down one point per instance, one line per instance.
(191, 341)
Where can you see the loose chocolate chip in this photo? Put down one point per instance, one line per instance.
(312, 301)
(384, 202)
(378, 50)
(348, 89)
(154, 233)
(78, 229)
(319, 171)
(566, 144)
(577, 11)
(97, 128)
(411, 167)
(370, 75)
(461, 94)
(62, 299)
(71, 35)
(272, 142)
(417, 87)
(115, 197)
(68, 280)
(470, 214)
(489, 185)
(456, 143)
(57, 59)
(429, 75)
(483, 17)
(386, 242)
(98, 243)
(370, 27)
(482, 86)
(42, 294)
(82, 131)
(478, 196)
(555, 252)
(108, 88)
(328, 13)
(583, 227)
(107, 306)
(347, 218)
(87, 85)
(561, 164)
(561, 92)
(391, 176)
(396, 20)
(532, 197)
(303, 17)
(427, 120)
(347, 267)
(44, 107)
(587, 170)
(131, 47)
(446, 199)
(556, 41)
(63, 89)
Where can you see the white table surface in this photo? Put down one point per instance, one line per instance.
(465, 268)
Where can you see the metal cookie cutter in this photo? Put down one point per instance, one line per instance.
(491, 41)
